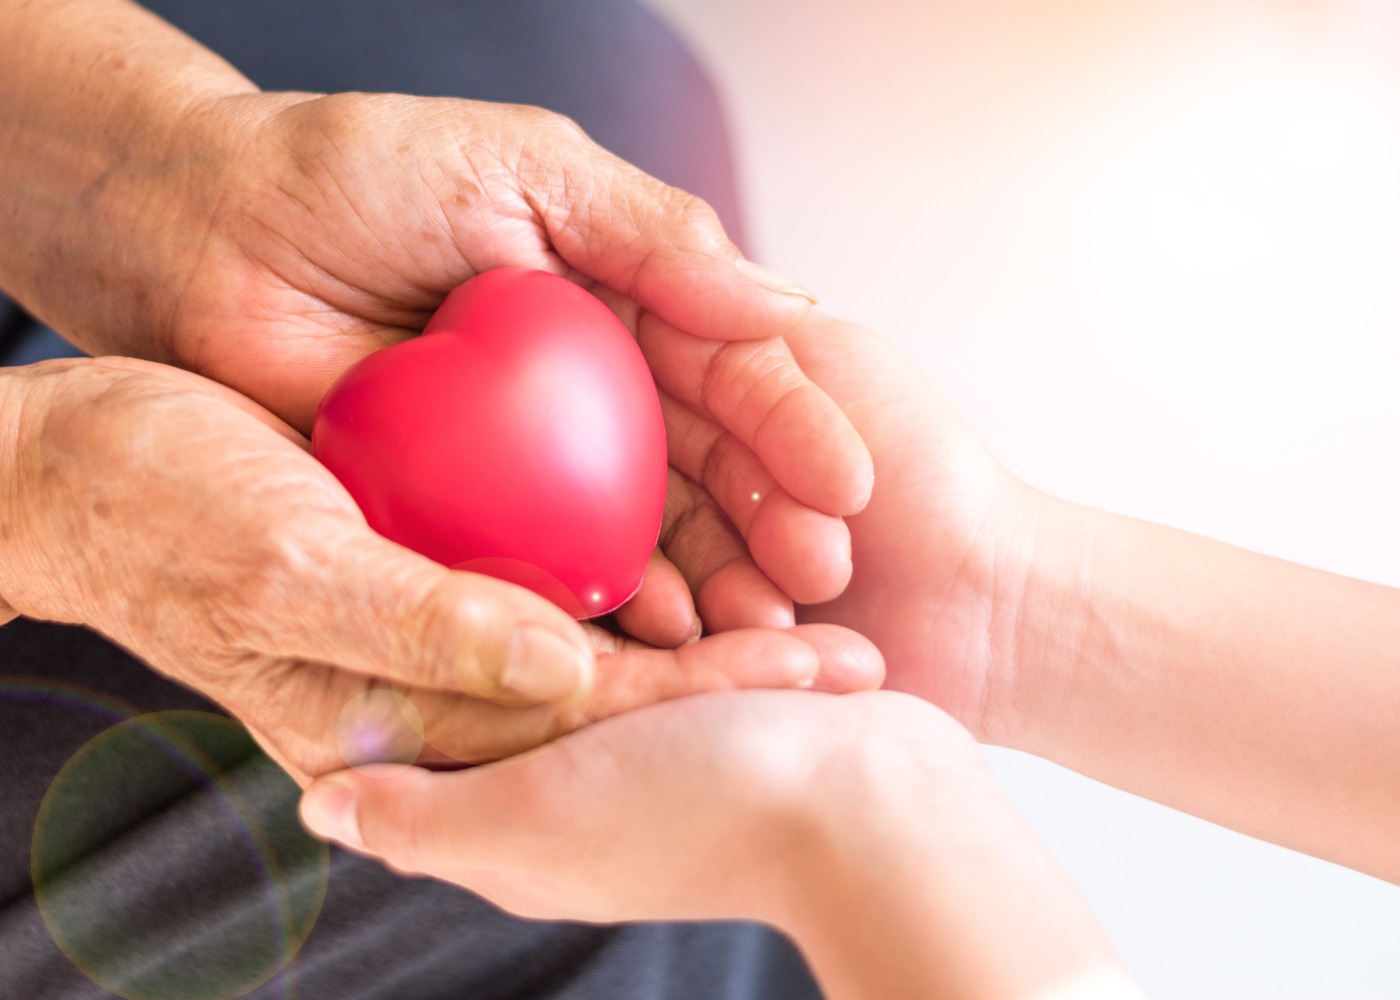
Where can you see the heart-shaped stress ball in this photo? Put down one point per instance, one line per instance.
(519, 437)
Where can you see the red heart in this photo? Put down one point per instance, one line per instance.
(520, 437)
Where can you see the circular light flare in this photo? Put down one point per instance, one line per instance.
(380, 727)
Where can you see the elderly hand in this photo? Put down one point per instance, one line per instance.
(270, 240)
(191, 526)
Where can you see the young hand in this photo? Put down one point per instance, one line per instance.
(867, 826)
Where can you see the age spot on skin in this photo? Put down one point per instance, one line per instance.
(467, 194)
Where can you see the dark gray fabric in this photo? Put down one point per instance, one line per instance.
(617, 70)
(377, 936)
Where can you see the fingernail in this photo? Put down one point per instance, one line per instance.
(542, 665)
(772, 280)
(328, 810)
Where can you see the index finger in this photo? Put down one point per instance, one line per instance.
(757, 391)
(662, 247)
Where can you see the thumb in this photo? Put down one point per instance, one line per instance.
(662, 247)
(375, 608)
(446, 824)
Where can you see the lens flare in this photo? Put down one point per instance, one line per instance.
(250, 880)
(379, 726)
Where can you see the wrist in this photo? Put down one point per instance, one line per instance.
(16, 388)
(921, 877)
(100, 183)
(1047, 608)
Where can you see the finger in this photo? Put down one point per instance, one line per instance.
(454, 825)
(318, 716)
(756, 391)
(662, 612)
(805, 552)
(660, 246)
(375, 608)
(632, 676)
(849, 661)
(730, 590)
(826, 657)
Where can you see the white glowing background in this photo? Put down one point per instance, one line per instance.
(1151, 249)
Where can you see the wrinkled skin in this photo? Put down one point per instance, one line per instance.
(269, 241)
(191, 526)
(279, 238)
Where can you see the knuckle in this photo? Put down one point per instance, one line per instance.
(689, 220)
(546, 144)
(456, 635)
(550, 126)
(696, 217)
(334, 118)
(730, 470)
(270, 570)
(256, 595)
(747, 378)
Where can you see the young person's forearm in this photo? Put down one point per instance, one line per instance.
(1253, 692)
(96, 100)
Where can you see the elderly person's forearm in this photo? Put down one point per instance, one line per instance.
(99, 104)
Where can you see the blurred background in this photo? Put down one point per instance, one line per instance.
(1151, 250)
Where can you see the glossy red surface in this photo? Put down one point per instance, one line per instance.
(520, 436)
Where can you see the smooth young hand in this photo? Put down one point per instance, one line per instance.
(867, 826)
(939, 553)
(1174, 666)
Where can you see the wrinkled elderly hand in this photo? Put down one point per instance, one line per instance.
(270, 240)
(191, 526)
